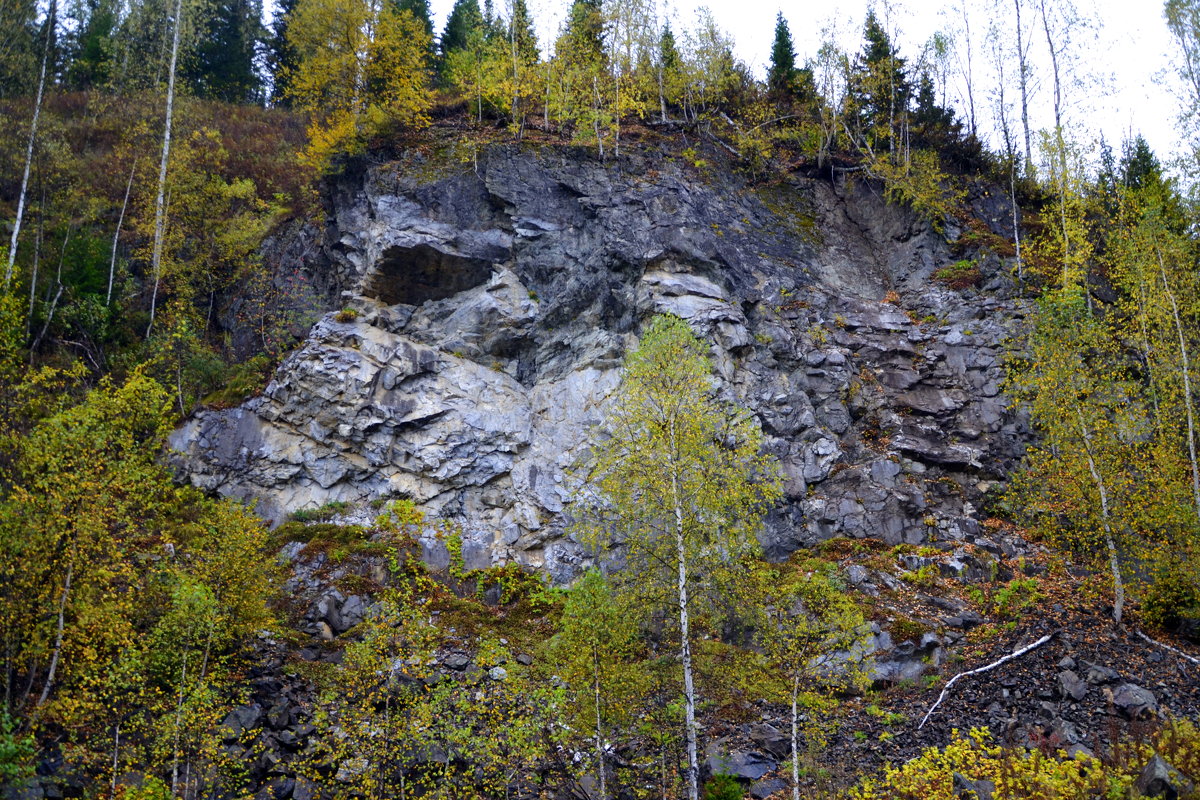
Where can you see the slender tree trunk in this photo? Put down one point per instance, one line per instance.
(970, 74)
(1187, 382)
(37, 257)
(1114, 563)
(1016, 212)
(37, 110)
(58, 635)
(617, 119)
(1054, 66)
(795, 739)
(112, 263)
(178, 724)
(596, 115)
(599, 731)
(516, 99)
(685, 648)
(116, 754)
(160, 202)
(662, 97)
(1023, 77)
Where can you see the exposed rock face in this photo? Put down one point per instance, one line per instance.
(495, 308)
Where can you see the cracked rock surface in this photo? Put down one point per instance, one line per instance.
(489, 311)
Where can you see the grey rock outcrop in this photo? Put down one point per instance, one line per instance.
(492, 310)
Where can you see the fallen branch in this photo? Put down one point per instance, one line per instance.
(1174, 650)
(986, 668)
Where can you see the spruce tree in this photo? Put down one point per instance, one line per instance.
(464, 22)
(222, 66)
(420, 11)
(520, 31)
(782, 74)
(585, 31)
(281, 56)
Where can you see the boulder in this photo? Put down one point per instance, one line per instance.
(967, 789)
(748, 765)
(1159, 779)
(1134, 703)
(1072, 685)
(760, 790)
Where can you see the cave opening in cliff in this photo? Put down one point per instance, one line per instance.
(413, 275)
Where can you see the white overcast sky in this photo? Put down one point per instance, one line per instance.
(1125, 60)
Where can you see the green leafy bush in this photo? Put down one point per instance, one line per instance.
(1173, 596)
(322, 513)
(16, 752)
(723, 787)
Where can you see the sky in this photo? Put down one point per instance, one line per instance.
(1123, 61)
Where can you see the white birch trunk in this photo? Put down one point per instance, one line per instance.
(37, 111)
(795, 739)
(1114, 563)
(599, 731)
(160, 202)
(685, 648)
(112, 263)
(58, 635)
(1023, 76)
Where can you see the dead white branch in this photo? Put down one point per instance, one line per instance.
(1174, 650)
(985, 668)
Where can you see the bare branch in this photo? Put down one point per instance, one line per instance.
(985, 668)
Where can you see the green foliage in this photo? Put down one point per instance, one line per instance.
(781, 75)
(680, 482)
(679, 462)
(1020, 774)
(242, 381)
(1017, 595)
(343, 47)
(593, 651)
(322, 513)
(723, 787)
(16, 751)
(134, 596)
(921, 183)
(962, 274)
(1173, 595)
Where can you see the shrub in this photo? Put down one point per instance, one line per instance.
(16, 752)
(321, 513)
(1173, 596)
(723, 787)
(346, 315)
(959, 275)
(243, 381)
(1017, 595)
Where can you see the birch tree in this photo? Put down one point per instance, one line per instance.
(360, 65)
(51, 20)
(1082, 481)
(160, 209)
(679, 480)
(594, 648)
(812, 639)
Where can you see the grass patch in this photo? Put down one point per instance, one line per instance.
(960, 275)
(322, 513)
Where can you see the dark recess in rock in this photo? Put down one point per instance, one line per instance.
(413, 275)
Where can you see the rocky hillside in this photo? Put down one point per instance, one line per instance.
(487, 307)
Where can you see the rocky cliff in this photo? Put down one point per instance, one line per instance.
(489, 305)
